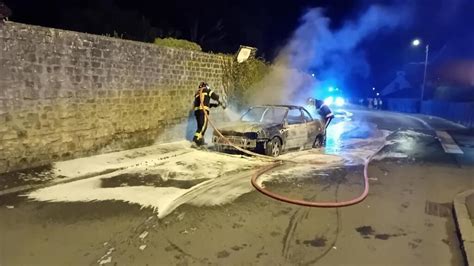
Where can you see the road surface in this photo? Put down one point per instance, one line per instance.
(172, 205)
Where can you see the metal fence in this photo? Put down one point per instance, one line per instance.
(462, 113)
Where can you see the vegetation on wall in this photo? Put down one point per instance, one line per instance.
(178, 43)
(241, 79)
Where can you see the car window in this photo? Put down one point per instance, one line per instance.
(274, 115)
(253, 114)
(295, 117)
(265, 114)
(306, 115)
(318, 116)
(313, 111)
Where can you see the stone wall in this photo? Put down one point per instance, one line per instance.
(66, 94)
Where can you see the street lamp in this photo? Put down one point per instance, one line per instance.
(245, 52)
(417, 42)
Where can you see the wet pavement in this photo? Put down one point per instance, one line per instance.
(178, 208)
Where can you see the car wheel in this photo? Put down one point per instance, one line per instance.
(273, 147)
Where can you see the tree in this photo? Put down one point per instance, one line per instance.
(105, 17)
(5, 12)
(214, 35)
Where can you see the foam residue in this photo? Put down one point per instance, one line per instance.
(295, 172)
(412, 134)
(382, 156)
(226, 176)
(116, 160)
(192, 164)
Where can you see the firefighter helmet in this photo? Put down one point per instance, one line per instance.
(203, 85)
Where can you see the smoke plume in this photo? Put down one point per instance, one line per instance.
(333, 53)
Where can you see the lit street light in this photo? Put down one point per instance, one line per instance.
(417, 42)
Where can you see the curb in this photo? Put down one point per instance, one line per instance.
(464, 224)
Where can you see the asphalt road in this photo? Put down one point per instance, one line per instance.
(406, 220)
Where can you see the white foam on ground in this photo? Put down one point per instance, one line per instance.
(89, 190)
(194, 164)
(412, 134)
(382, 156)
(296, 172)
(116, 160)
(229, 178)
(229, 175)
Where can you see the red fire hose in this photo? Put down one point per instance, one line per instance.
(309, 203)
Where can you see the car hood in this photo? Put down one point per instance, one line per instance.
(244, 127)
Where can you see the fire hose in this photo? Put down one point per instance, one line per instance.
(279, 162)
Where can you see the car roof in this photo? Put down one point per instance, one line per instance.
(280, 105)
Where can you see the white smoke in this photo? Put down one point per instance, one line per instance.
(336, 53)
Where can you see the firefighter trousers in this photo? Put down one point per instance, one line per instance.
(201, 121)
(327, 121)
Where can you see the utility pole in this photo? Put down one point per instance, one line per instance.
(424, 76)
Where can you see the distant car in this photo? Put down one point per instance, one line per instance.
(271, 130)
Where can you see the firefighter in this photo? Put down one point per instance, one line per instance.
(326, 114)
(202, 103)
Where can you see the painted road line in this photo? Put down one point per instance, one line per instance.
(448, 143)
(421, 121)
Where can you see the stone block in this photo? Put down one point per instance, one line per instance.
(83, 94)
(50, 94)
(96, 53)
(102, 93)
(112, 94)
(31, 94)
(9, 135)
(4, 128)
(66, 94)
(96, 64)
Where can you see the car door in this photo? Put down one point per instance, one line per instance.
(314, 126)
(297, 130)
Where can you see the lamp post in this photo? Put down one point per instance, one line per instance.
(417, 42)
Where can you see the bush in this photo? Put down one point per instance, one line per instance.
(178, 43)
(242, 78)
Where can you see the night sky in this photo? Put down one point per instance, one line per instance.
(222, 25)
(249, 22)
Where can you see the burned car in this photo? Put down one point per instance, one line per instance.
(271, 130)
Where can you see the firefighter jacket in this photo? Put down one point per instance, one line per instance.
(325, 112)
(202, 99)
(323, 109)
